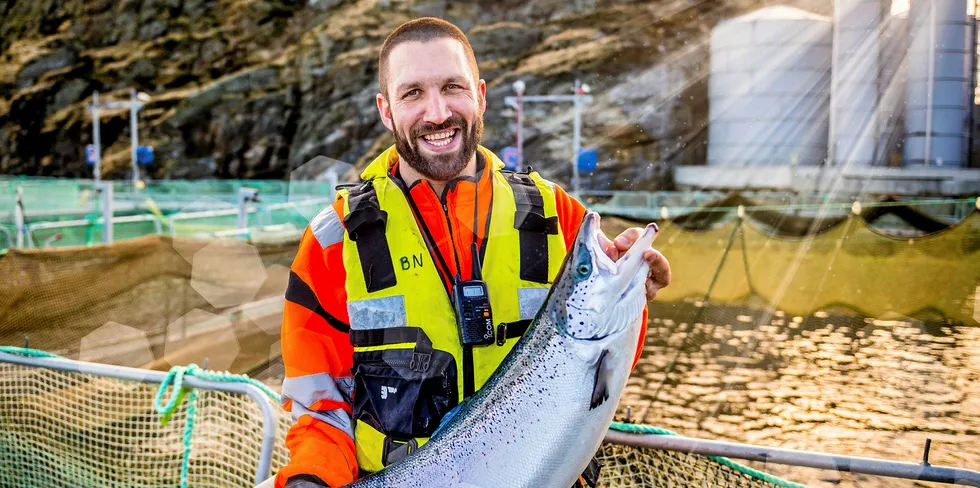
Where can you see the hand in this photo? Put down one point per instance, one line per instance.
(659, 267)
(305, 481)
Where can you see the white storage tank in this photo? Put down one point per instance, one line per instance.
(855, 91)
(892, 87)
(769, 89)
(939, 94)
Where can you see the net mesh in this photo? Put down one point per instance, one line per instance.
(68, 429)
(150, 302)
(628, 466)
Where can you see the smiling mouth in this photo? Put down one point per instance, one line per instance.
(441, 139)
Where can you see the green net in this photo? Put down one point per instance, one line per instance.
(69, 429)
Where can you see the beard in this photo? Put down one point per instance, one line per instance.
(439, 167)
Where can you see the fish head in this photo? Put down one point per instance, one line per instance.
(596, 296)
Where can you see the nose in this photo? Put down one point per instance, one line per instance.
(437, 109)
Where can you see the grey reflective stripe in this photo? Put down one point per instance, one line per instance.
(530, 300)
(312, 388)
(327, 227)
(337, 418)
(377, 313)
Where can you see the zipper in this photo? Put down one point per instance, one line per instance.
(452, 238)
(467, 360)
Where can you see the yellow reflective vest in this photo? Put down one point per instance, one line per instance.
(410, 367)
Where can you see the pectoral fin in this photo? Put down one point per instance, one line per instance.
(600, 392)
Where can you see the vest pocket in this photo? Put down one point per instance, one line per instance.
(404, 393)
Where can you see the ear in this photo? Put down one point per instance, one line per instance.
(384, 109)
(481, 89)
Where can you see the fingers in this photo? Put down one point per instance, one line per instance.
(659, 272)
(627, 238)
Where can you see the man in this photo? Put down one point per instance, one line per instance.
(371, 340)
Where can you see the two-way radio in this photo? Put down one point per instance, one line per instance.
(471, 298)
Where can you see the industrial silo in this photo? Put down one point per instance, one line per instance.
(770, 89)
(892, 86)
(939, 93)
(855, 91)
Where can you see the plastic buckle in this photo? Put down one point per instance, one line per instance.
(501, 334)
(420, 361)
(396, 449)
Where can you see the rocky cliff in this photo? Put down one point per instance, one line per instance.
(256, 88)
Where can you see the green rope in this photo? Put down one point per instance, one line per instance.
(176, 377)
(649, 429)
(23, 351)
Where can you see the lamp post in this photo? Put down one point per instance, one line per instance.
(579, 98)
(137, 100)
(519, 89)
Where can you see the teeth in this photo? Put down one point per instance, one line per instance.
(439, 138)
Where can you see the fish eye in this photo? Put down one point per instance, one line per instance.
(583, 270)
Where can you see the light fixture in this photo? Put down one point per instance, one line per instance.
(519, 87)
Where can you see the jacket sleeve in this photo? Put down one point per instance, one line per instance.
(570, 215)
(318, 357)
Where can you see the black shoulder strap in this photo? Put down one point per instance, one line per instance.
(365, 225)
(534, 227)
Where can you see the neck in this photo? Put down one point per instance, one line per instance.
(410, 175)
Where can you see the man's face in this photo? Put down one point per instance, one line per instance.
(434, 107)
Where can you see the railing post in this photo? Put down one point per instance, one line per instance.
(19, 216)
(245, 195)
(105, 199)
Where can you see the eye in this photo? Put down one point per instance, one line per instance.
(413, 93)
(453, 86)
(583, 270)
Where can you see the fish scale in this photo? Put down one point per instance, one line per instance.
(533, 423)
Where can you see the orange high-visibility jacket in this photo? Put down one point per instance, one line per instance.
(316, 348)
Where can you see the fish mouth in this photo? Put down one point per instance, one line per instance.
(626, 267)
(613, 294)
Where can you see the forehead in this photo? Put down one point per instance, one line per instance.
(421, 62)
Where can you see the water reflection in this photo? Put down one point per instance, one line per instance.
(828, 382)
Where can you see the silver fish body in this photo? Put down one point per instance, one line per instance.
(540, 418)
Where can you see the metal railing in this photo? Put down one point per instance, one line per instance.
(267, 210)
(265, 404)
(68, 224)
(230, 213)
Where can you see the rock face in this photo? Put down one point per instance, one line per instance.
(255, 88)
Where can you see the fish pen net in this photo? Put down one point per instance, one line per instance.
(151, 302)
(70, 429)
(638, 467)
(805, 264)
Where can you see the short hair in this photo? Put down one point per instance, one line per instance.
(423, 29)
